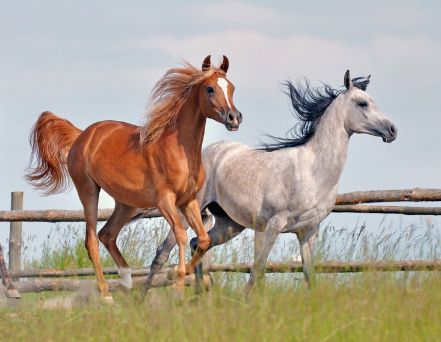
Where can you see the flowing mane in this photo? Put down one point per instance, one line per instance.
(167, 98)
(309, 104)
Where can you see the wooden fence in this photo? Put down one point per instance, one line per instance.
(50, 280)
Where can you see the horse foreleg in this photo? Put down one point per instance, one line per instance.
(108, 236)
(193, 216)
(167, 206)
(263, 243)
(307, 239)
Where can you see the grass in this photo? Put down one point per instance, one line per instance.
(371, 308)
(400, 306)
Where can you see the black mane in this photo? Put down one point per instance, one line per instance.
(309, 105)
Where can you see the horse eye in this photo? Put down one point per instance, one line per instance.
(363, 104)
(210, 90)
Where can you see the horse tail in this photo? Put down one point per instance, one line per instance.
(51, 139)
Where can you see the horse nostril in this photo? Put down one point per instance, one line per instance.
(230, 117)
(393, 130)
(239, 117)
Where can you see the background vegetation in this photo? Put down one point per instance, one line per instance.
(352, 307)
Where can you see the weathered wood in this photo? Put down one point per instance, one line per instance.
(15, 233)
(40, 285)
(10, 290)
(77, 216)
(79, 272)
(336, 266)
(406, 195)
(161, 280)
(414, 195)
(272, 267)
(385, 209)
(54, 215)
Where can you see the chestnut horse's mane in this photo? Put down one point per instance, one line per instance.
(167, 98)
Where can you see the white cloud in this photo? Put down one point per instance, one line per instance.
(257, 58)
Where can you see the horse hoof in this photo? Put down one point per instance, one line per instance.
(173, 273)
(108, 300)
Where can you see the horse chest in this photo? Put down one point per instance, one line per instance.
(187, 190)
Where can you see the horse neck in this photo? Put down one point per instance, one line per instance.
(190, 127)
(329, 145)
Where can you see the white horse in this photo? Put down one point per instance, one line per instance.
(291, 184)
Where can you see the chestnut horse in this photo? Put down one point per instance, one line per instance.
(155, 165)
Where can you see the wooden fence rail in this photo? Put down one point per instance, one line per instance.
(345, 203)
(335, 266)
(52, 284)
(49, 280)
(272, 267)
(104, 214)
(406, 195)
(386, 209)
(54, 215)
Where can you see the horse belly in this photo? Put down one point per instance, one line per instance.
(245, 212)
(112, 159)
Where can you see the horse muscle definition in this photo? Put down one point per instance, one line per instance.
(290, 185)
(155, 165)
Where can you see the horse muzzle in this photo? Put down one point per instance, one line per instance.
(389, 132)
(232, 120)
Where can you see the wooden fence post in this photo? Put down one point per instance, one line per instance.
(15, 234)
(11, 292)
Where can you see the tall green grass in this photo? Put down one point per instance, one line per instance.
(400, 306)
(374, 307)
(64, 245)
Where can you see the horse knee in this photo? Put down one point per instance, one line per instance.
(204, 242)
(201, 243)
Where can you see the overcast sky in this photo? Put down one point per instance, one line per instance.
(90, 61)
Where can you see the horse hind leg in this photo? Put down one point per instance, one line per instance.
(162, 255)
(88, 192)
(108, 236)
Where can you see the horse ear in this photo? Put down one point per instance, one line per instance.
(361, 82)
(348, 82)
(225, 64)
(206, 64)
